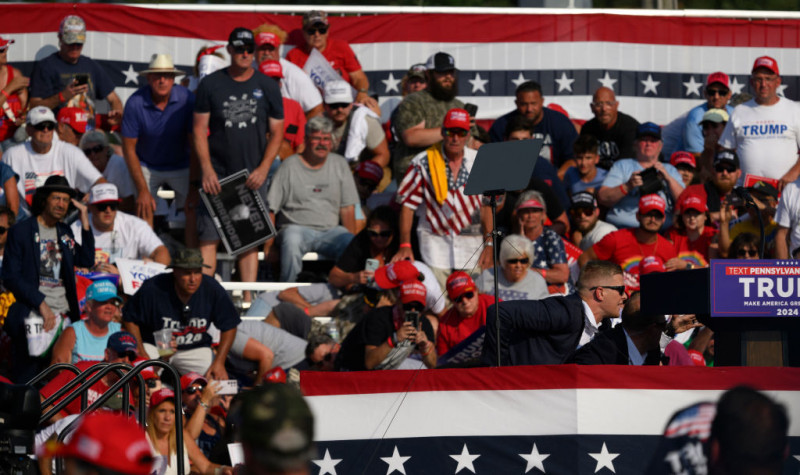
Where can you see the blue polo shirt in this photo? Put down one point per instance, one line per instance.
(162, 136)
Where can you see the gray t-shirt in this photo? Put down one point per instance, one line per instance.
(50, 283)
(288, 349)
(531, 287)
(311, 198)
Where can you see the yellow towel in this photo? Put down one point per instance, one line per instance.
(437, 172)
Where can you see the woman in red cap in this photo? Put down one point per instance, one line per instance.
(550, 256)
(690, 235)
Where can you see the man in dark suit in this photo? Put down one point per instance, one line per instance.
(39, 269)
(634, 342)
(548, 331)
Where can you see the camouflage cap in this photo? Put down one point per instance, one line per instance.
(278, 426)
(188, 258)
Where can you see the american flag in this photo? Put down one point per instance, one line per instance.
(535, 419)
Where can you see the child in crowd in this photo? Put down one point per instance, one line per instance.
(584, 176)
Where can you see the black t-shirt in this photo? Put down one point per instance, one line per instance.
(616, 142)
(354, 258)
(239, 122)
(51, 75)
(374, 329)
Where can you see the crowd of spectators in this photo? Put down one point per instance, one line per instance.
(380, 192)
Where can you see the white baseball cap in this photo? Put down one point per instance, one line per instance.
(104, 192)
(338, 92)
(40, 114)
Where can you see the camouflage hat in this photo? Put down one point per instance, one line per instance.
(278, 426)
(188, 258)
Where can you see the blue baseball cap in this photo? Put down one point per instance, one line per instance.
(102, 291)
(648, 129)
(122, 342)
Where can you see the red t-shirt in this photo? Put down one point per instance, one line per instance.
(621, 247)
(294, 122)
(453, 329)
(337, 52)
(65, 376)
(696, 251)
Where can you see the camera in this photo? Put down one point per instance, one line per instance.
(413, 317)
(651, 182)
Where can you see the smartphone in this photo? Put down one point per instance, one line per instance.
(372, 265)
(413, 317)
(228, 386)
(81, 79)
(471, 109)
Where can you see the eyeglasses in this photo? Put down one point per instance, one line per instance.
(455, 132)
(383, 234)
(320, 29)
(465, 295)
(95, 149)
(45, 126)
(582, 211)
(724, 169)
(325, 359)
(249, 49)
(105, 206)
(618, 288)
(524, 260)
(717, 92)
(747, 253)
(193, 389)
(339, 105)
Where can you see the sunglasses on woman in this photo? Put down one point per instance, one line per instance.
(194, 389)
(384, 234)
(747, 253)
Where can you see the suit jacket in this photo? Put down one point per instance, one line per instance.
(534, 332)
(21, 260)
(610, 347)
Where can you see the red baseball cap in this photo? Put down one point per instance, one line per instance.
(693, 202)
(4, 43)
(394, 274)
(190, 378)
(651, 264)
(160, 396)
(532, 203)
(697, 358)
(718, 77)
(370, 170)
(458, 284)
(682, 158)
(266, 38)
(456, 119)
(147, 373)
(271, 68)
(75, 117)
(413, 291)
(276, 375)
(652, 202)
(766, 62)
(108, 440)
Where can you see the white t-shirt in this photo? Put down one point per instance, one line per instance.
(297, 85)
(598, 232)
(131, 238)
(788, 214)
(62, 159)
(766, 138)
(116, 172)
(434, 297)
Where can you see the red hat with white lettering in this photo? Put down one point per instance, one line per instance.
(651, 264)
(266, 38)
(394, 274)
(75, 117)
(682, 158)
(652, 202)
(458, 284)
(160, 396)
(271, 68)
(370, 170)
(4, 43)
(766, 62)
(718, 77)
(190, 378)
(693, 202)
(456, 119)
(413, 291)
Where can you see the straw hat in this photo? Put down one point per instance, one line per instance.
(162, 63)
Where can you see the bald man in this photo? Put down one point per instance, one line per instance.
(614, 130)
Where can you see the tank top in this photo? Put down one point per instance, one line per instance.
(88, 346)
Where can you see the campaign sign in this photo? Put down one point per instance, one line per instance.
(239, 214)
(134, 272)
(469, 348)
(755, 288)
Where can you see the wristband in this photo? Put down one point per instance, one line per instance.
(365, 91)
(205, 406)
(622, 189)
(429, 351)
(544, 273)
(405, 244)
(306, 310)
(61, 97)
(3, 91)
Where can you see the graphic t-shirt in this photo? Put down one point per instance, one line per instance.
(622, 248)
(695, 252)
(50, 282)
(616, 142)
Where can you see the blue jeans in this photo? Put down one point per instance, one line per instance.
(297, 240)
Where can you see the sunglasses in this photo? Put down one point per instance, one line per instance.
(524, 260)
(151, 383)
(654, 215)
(747, 253)
(193, 389)
(383, 234)
(582, 211)
(320, 29)
(45, 126)
(113, 302)
(3, 49)
(339, 105)
(105, 206)
(465, 295)
(95, 149)
(716, 92)
(3, 229)
(249, 49)
(325, 359)
(618, 288)
(723, 168)
(455, 132)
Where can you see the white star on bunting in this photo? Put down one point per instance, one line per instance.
(606, 81)
(478, 84)
(131, 75)
(650, 85)
(692, 87)
(604, 459)
(327, 465)
(465, 460)
(782, 89)
(534, 459)
(564, 83)
(391, 83)
(520, 79)
(736, 88)
(395, 462)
